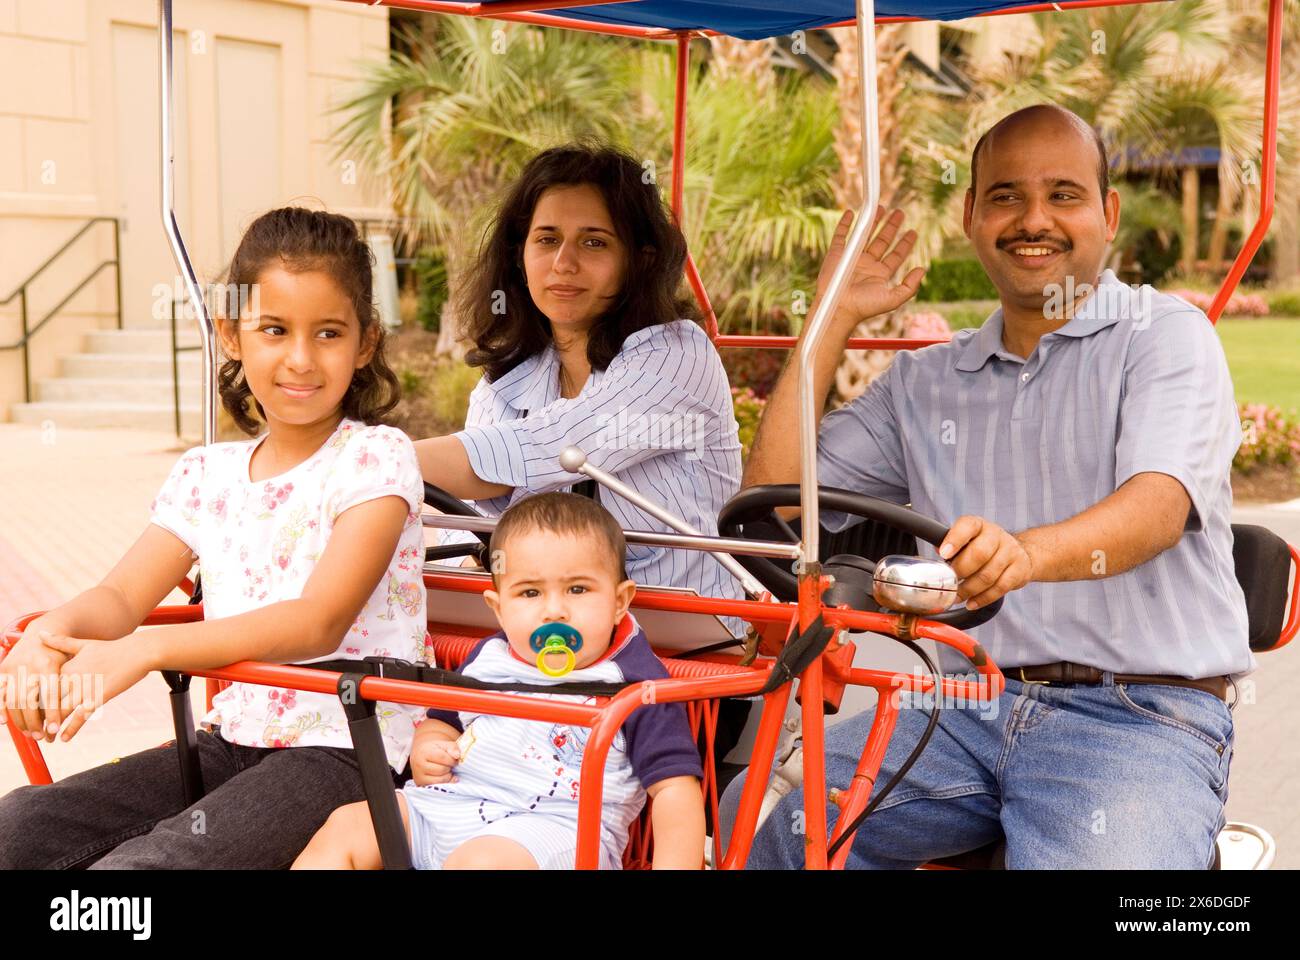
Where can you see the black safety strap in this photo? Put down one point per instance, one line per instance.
(797, 654)
(187, 745)
(391, 668)
(376, 775)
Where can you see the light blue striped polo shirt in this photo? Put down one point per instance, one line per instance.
(1136, 381)
(659, 418)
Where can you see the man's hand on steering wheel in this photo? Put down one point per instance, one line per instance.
(990, 561)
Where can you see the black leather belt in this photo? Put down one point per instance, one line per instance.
(1068, 673)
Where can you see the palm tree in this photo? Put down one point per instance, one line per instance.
(758, 200)
(1153, 81)
(452, 117)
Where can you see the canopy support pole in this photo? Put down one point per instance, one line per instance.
(679, 178)
(1267, 163)
(811, 582)
(173, 230)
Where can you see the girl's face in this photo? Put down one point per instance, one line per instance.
(301, 348)
(574, 262)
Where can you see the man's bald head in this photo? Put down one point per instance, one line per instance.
(1049, 118)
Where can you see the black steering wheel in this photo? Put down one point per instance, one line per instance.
(754, 508)
(442, 500)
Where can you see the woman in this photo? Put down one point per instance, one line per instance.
(573, 314)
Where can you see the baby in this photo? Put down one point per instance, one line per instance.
(502, 793)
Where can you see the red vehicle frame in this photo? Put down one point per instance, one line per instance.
(700, 682)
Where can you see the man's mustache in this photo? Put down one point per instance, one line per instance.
(1061, 245)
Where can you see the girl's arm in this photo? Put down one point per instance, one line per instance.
(677, 820)
(142, 579)
(444, 463)
(358, 552)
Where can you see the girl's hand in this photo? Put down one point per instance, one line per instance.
(432, 759)
(27, 671)
(98, 671)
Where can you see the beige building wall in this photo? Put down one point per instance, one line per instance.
(79, 120)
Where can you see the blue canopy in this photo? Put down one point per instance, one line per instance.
(756, 19)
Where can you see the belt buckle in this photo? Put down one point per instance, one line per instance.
(1023, 679)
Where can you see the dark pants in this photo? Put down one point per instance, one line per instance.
(261, 808)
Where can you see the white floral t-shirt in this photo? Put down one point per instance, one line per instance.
(258, 543)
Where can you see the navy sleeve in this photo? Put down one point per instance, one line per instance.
(451, 717)
(659, 741)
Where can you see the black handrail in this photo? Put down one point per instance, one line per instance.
(177, 350)
(21, 292)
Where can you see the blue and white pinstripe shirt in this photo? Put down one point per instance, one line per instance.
(659, 418)
(1135, 382)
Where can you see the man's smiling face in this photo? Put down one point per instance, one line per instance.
(1037, 216)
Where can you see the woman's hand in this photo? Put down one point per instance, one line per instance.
(29, 681)
(98, 671)
(869, 290)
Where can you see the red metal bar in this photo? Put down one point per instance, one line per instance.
(679, 124)
(857, 343)
(534, 19)
(1292, 625)
(702, 298)
(864, 778)
(647, 598)
(736, 851)
(814, 724)
(1272, 80)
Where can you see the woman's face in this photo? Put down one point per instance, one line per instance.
(573, 260)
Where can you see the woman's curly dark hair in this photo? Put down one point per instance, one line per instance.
(299, 240)
(494, 305)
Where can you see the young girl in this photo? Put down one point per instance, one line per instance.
(310, 547)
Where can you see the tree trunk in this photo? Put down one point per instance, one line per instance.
(1222, 218)
(450, 342)
(1191, 219)
(750, 60)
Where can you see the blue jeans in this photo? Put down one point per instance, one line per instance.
(1113, 776)
(261, 808)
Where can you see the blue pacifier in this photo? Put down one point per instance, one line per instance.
(555, 638)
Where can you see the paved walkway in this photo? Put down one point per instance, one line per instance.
(71, 502)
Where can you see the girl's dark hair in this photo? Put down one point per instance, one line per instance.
(298, 240)
(496, 310)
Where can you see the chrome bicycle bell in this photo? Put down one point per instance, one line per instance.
(916, 585)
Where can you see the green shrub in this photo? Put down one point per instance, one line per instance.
(949, 280)
(452, 383)
(964, 317)
(749, 410)
(1284, 303)
(430, 272)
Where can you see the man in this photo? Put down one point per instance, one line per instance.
(1079, 444)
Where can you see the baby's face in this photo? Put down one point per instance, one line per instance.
(548, 578)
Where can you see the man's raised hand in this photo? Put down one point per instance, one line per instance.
(869, 289)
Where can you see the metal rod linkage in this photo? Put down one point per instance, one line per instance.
(748, 548)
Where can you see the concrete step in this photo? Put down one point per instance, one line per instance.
(131, 366)
(88, 390)
(138, 341)
(135, 416)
